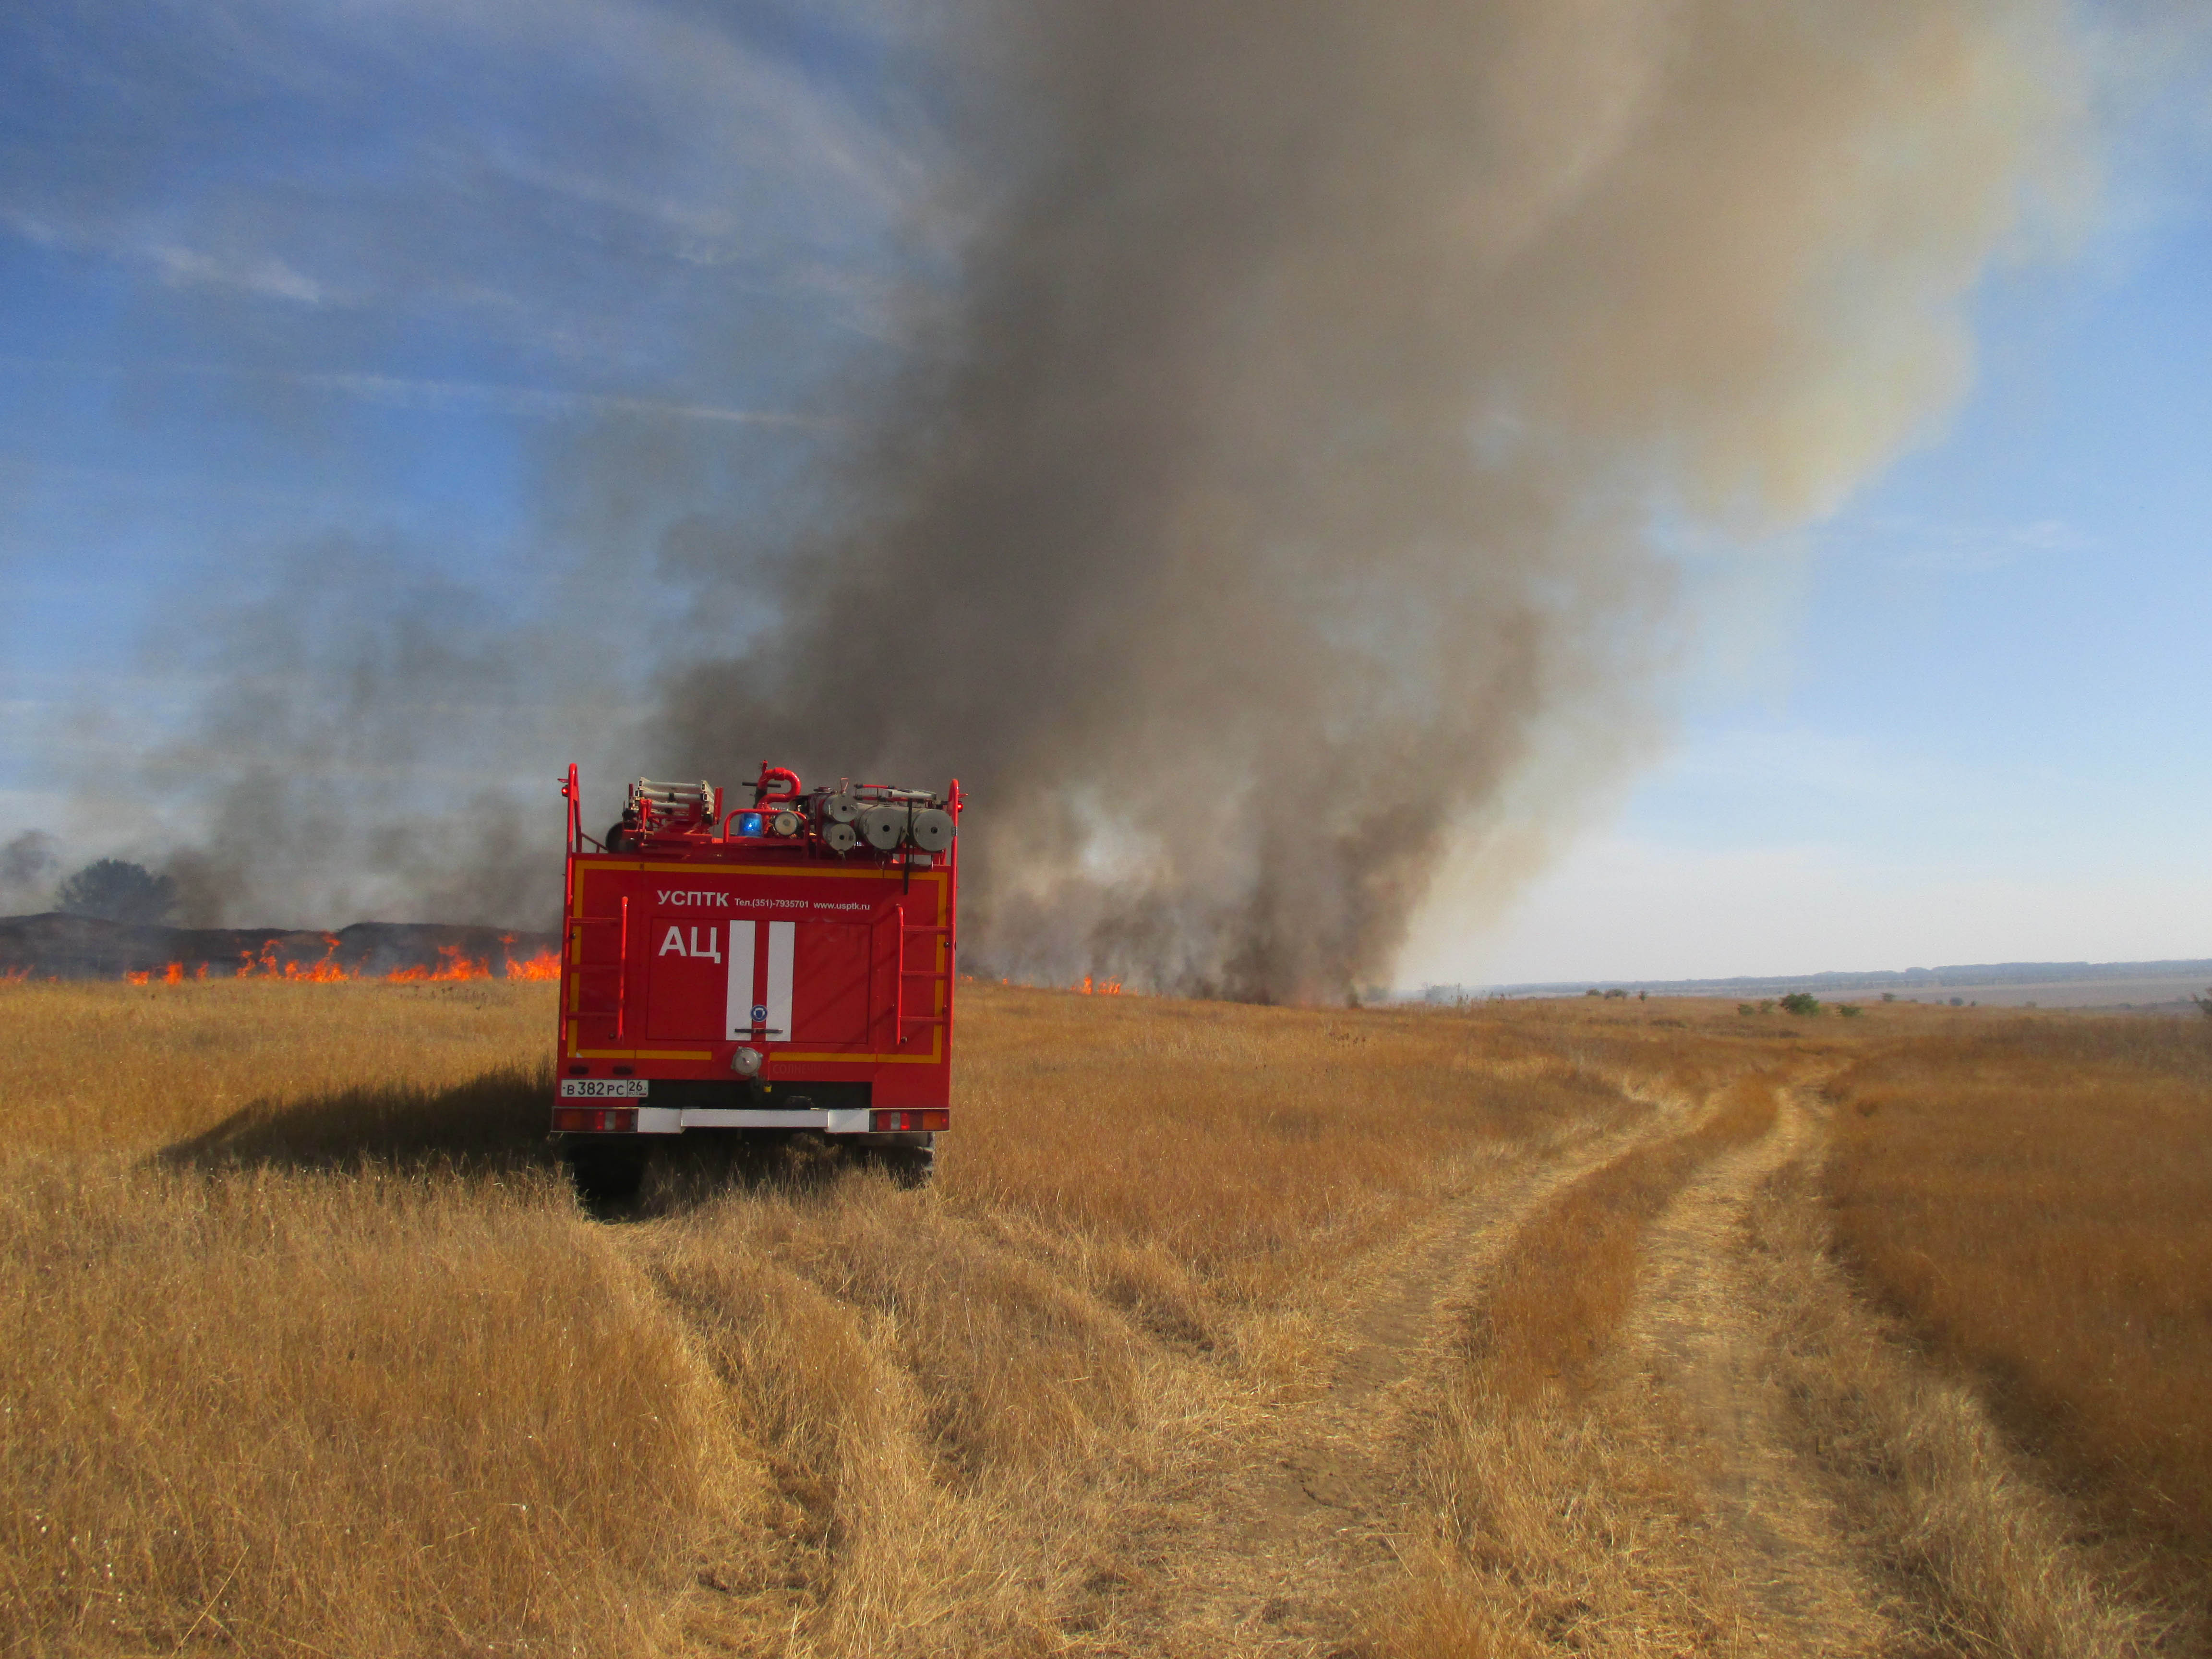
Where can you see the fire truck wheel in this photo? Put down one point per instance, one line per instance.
(606, 1174)
(909, 1166)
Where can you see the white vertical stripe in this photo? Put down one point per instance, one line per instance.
(781, 937)
(739, 1005)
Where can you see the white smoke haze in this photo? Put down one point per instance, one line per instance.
(30, 863)
(364, 752)
(1227, 436)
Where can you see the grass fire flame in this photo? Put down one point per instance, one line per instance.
(453, 965)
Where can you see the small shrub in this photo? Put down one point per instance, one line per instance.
(1744, 1008)
(1801, 1002)
(1889, 996)
(1766, 1007)
(1848, 1010)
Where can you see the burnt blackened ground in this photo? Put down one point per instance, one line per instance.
(54, 945)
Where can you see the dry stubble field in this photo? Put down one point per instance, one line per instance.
(1596, 1327)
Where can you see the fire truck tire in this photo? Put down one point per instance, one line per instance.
(606, 1174)
(908, 1166)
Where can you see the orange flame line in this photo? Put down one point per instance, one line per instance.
(452, 968)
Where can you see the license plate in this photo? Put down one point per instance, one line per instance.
(604, 1087)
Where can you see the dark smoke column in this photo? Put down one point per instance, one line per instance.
(1277, 483)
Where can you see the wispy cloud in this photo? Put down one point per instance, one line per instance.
(1906, 542)
(177, 265)
(403, 392)
(428, 162)
(410, 393)
(270, 278)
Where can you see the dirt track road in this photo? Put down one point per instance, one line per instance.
(1307, 1532)
(1702, 1338)
(1306, 1523)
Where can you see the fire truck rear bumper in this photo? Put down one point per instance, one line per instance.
(669, 1120)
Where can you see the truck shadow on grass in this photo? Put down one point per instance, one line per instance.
(645, 1178)
(495, 1123)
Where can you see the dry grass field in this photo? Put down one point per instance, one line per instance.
(2038, 1200)
(1225, 1330)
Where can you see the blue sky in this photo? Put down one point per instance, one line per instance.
(302, 312)
(1970, 718)
(271, 277)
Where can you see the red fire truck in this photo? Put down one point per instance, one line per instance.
(769, 970)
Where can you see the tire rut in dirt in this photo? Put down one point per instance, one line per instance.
(1701, 1338)
(1311, 1522)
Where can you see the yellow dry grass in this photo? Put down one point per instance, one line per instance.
(2036, 1197)
(313, 1350)
(1985, 1560)
(373, 1415)
(107, 1068)
(318, 1353)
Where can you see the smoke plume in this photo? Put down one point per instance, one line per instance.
(1236, 438)
(28, 863)
(1276, 476)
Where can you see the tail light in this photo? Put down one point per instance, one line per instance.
(932, 1117)
(595, 1120)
